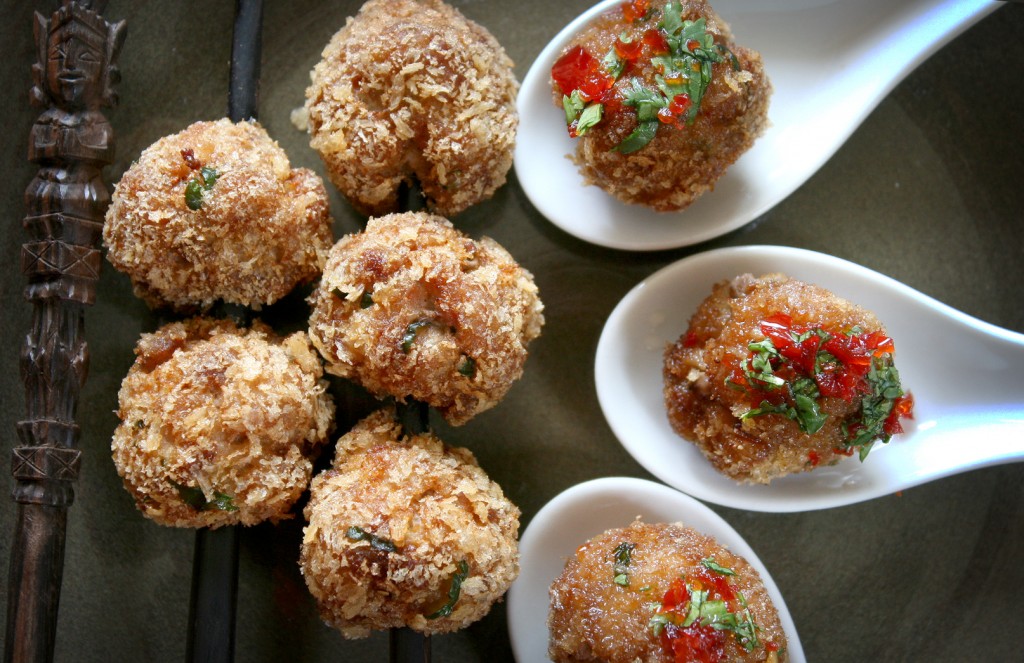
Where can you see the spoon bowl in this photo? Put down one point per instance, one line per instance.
(593, 507)
(830, 64)
(964, 374)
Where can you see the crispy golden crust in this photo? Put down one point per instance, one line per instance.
(437, 508)
(705, 409)
(411, 307)
(262, 229)
(594, 619)
(233, 412)
(679, 165)
(412, 89)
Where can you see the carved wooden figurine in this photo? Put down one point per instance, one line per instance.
(71, 142)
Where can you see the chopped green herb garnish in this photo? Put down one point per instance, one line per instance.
(366, 301)
(453, 592)
(377, 543)
(710, 563)
(195, 498)
(467, 367)
(340, 294)
(202, 182)
(623, 558)
(410, 334)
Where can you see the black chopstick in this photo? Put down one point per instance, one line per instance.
(214, 598)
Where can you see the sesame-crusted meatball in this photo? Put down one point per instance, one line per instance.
(405, 531)
(776, 376)
(662, 100)
(413, 90)
(411, 307)
(649, 593)
(220, 424)
(216, 212)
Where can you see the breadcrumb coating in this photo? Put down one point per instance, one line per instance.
(219, 425)
(412, 90)
(680, 163)
(261, 229)
(424, 513)
(593, 618)
(413, 308)
(705, 408)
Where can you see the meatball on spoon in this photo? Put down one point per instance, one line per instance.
(964, 375)
(590, 508)
(829, 69)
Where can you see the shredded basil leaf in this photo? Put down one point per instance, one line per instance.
(467, 367)
(377, 543)
(410, 334)
(453, 592)
(623, 558)
(639, 138)
(195, 498)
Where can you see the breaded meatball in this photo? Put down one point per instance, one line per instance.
(412, 90)
(776, 376)
(662, 100)
(405, 531)
(220, 424)
(650, 592)
(217, 213)
(413, 308)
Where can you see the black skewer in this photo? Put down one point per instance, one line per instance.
(213, 603)
(407, 645)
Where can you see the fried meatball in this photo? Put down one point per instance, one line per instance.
(775, 376)
(217, 213)
(405, 531)
(664, 135)
(625, 596)
(220, 424)
(411, 307)
(412, 90)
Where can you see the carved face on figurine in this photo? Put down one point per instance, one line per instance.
(75, 57)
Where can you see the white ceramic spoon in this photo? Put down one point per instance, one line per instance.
(965, 375)
(588, 509)
(830, 63)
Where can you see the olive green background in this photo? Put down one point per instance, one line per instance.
(928, 190)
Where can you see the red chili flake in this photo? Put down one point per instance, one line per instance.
(813, 458)
(190, 159)
(579, 70)
(691, 340)
(635, 10)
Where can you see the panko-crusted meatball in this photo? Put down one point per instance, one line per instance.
(626, 595)
(413, 90)
(220, 425)
(776, 376)
(217, 213)
(405, 531)
(678, 104)
(411, 307)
